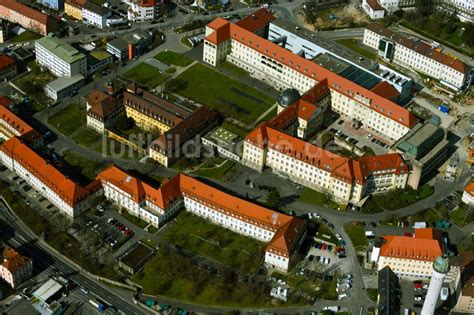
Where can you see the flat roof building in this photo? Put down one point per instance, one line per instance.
(388, 302)
(135, 257)
(64, 87)
(130, 45)
(60, 58)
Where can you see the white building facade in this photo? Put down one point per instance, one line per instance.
(142, 10)
(60, 58)
(419, 56)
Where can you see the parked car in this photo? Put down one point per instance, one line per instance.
(311, 258)
(342, 296)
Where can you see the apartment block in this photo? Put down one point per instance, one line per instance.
(95, 14)
(16, 12)
(143, 10)
(70, 197)
(284, 234)
(73, 8)
(418, 55)
(60, 58)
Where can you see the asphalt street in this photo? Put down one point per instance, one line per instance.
(44, 257)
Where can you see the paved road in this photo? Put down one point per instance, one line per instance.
(45, 257)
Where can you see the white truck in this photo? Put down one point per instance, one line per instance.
(369, 234)
(419, 225)
(332, 308)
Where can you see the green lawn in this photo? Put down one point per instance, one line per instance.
(356, 46)
(114, 148)
(372, 293)
(396, 199)
(357, 234)
(235, 129)
(186, 42)
(316, 198)
(210, 240)
(135, 220)
(216, 172)
(87, 167)
(145, 75)
(323, 229)
(237, 71)
(179, 277)
(32, 84)
(69, 119)
(428, 215)
(461, 216)
(86, 137)
(173, 58)
(217, 91)
(26, 36)
(309, 284)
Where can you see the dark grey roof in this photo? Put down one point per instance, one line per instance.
(388, 303)
(288, 97)
(97, 9)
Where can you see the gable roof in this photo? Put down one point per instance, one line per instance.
(71, 192)
(25, 10)
(287, 229)
(470, 189)
(139, 190)
(420, 47)
(14, 121)
(257, 20)
(224, 30)
(415, 248)
(386, 90)
(375, 5)
(13, 260)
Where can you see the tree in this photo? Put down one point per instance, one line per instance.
(468, 35)
(274, 198)
(424, 7)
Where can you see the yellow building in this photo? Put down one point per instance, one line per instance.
(150, 112)
(73, 8)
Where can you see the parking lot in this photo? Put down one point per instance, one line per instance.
(413, 297)
(360, 137)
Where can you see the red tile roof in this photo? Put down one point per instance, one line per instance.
(5, 101)
(25, 10)
(470, 189)
(375, 5)
(415, 248)
(428, 233)
(386, 90)
(420, 47)
(14, 121)
(13, 260)
(256, 21)
(71, 192)
(141, 191)
(287, 229)
(225, 30)
(6, 62)
(306, 110)
(76, 3)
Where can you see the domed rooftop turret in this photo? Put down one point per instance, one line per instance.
(288, 97)
(441, 264)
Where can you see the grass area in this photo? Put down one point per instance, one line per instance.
(426, 216)
(26, 36)
(372, 293)
(357, 234)
(135, 220)
(216, 172)
(186, 42)
(309, 285)
(32, 84)
(213, 241)
(87, 167)
(316, 198)
(145, 75)
(323, 229)
(173, 58)
(179, 277)
(30, 217)
(396, 199)
(325, 137)
(86, 137)
(217, 91)
(357, 47)
(461, 216)
(235, 129)
(68, 119)
(116, 149)
(152, 229)
(271, 114)
(239, 72)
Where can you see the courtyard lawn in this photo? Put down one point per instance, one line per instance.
(216, 172)
(173, 58)
(316, 198)
(215, 242)
(179, 277)
(68, 119)
(86, 137)
(354, 45)
(87, 167)
(357, 234)
(217, 91)
(146, 75)
(26, 36)
(239, 72)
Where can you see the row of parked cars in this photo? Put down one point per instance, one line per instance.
(343, 285)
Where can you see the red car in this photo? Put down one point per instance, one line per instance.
(407, 234)
(324, 247)
(129, 233)
(418, 286)
(122, 227)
